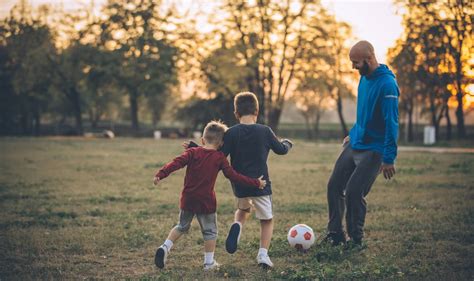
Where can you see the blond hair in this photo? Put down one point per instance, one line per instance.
(214, 132)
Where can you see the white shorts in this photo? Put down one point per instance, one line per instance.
(262, 205)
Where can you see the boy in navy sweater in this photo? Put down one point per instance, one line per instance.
(198, 197)
(248, 144)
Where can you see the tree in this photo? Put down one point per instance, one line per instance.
(267, 40)
(146, 60)
(422, 67)
(312, 98)
(403, 59)
(449, 23)
(269, 37)
(27, 43)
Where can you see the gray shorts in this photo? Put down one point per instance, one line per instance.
(208, 223)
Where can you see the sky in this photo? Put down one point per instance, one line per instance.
(373, 20)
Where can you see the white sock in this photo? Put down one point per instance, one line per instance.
(263, 251)
(208, 257)
(168, 243)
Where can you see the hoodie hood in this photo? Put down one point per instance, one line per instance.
(380, 71)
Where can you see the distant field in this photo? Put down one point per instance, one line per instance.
(85, 208)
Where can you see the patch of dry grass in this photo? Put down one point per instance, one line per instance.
(82, 208)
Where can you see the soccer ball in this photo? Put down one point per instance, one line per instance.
(301, 237)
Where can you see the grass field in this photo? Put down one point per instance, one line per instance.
(86, 208)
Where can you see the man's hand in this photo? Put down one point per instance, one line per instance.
(156, 180)
(262, 182)
(346, 140)
(388, 170)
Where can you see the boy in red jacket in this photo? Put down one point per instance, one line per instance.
(198, 197)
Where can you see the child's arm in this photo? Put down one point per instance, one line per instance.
(234, 176)
(279, 147)
(177, 163)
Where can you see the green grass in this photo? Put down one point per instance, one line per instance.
(85, 208)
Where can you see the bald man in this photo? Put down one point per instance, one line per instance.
(370, 148)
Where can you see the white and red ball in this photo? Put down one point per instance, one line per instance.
(301, 237)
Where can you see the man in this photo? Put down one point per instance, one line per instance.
(370, 148)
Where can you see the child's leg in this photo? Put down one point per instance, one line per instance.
(185, 219)
(173, 236)
(264, 212)
(209, 249)
(244, 206)
(266, 233)
(241, 216)
(208, 223)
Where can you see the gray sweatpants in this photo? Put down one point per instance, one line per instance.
(353, 175)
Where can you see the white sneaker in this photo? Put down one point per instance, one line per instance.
(211, 266)
(161, 256)
(264, 260)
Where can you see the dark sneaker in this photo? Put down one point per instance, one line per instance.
(161, 256)
(355, 244)
(233, 238)
(335, 239)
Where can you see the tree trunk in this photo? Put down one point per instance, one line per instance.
(309, 131)
(76, 104)
(459, 111)
(448, 123)
(155, 117)
(459, 95)
(433, 118)
(37, 123)
(410, 124)
(341, 117)
(274, 118)
(316, 124)
(93, 118)
(134, 111)
(24, 122)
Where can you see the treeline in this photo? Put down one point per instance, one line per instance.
(433, 62)
(137, 57)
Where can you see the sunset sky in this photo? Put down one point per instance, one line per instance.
(372, 20)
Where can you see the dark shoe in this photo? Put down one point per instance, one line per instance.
(335, 239)
(233, 238)
(161, 256)
(355, 244)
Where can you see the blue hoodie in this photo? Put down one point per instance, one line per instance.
(376, 127)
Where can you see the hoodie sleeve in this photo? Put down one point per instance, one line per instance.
(390, 95)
